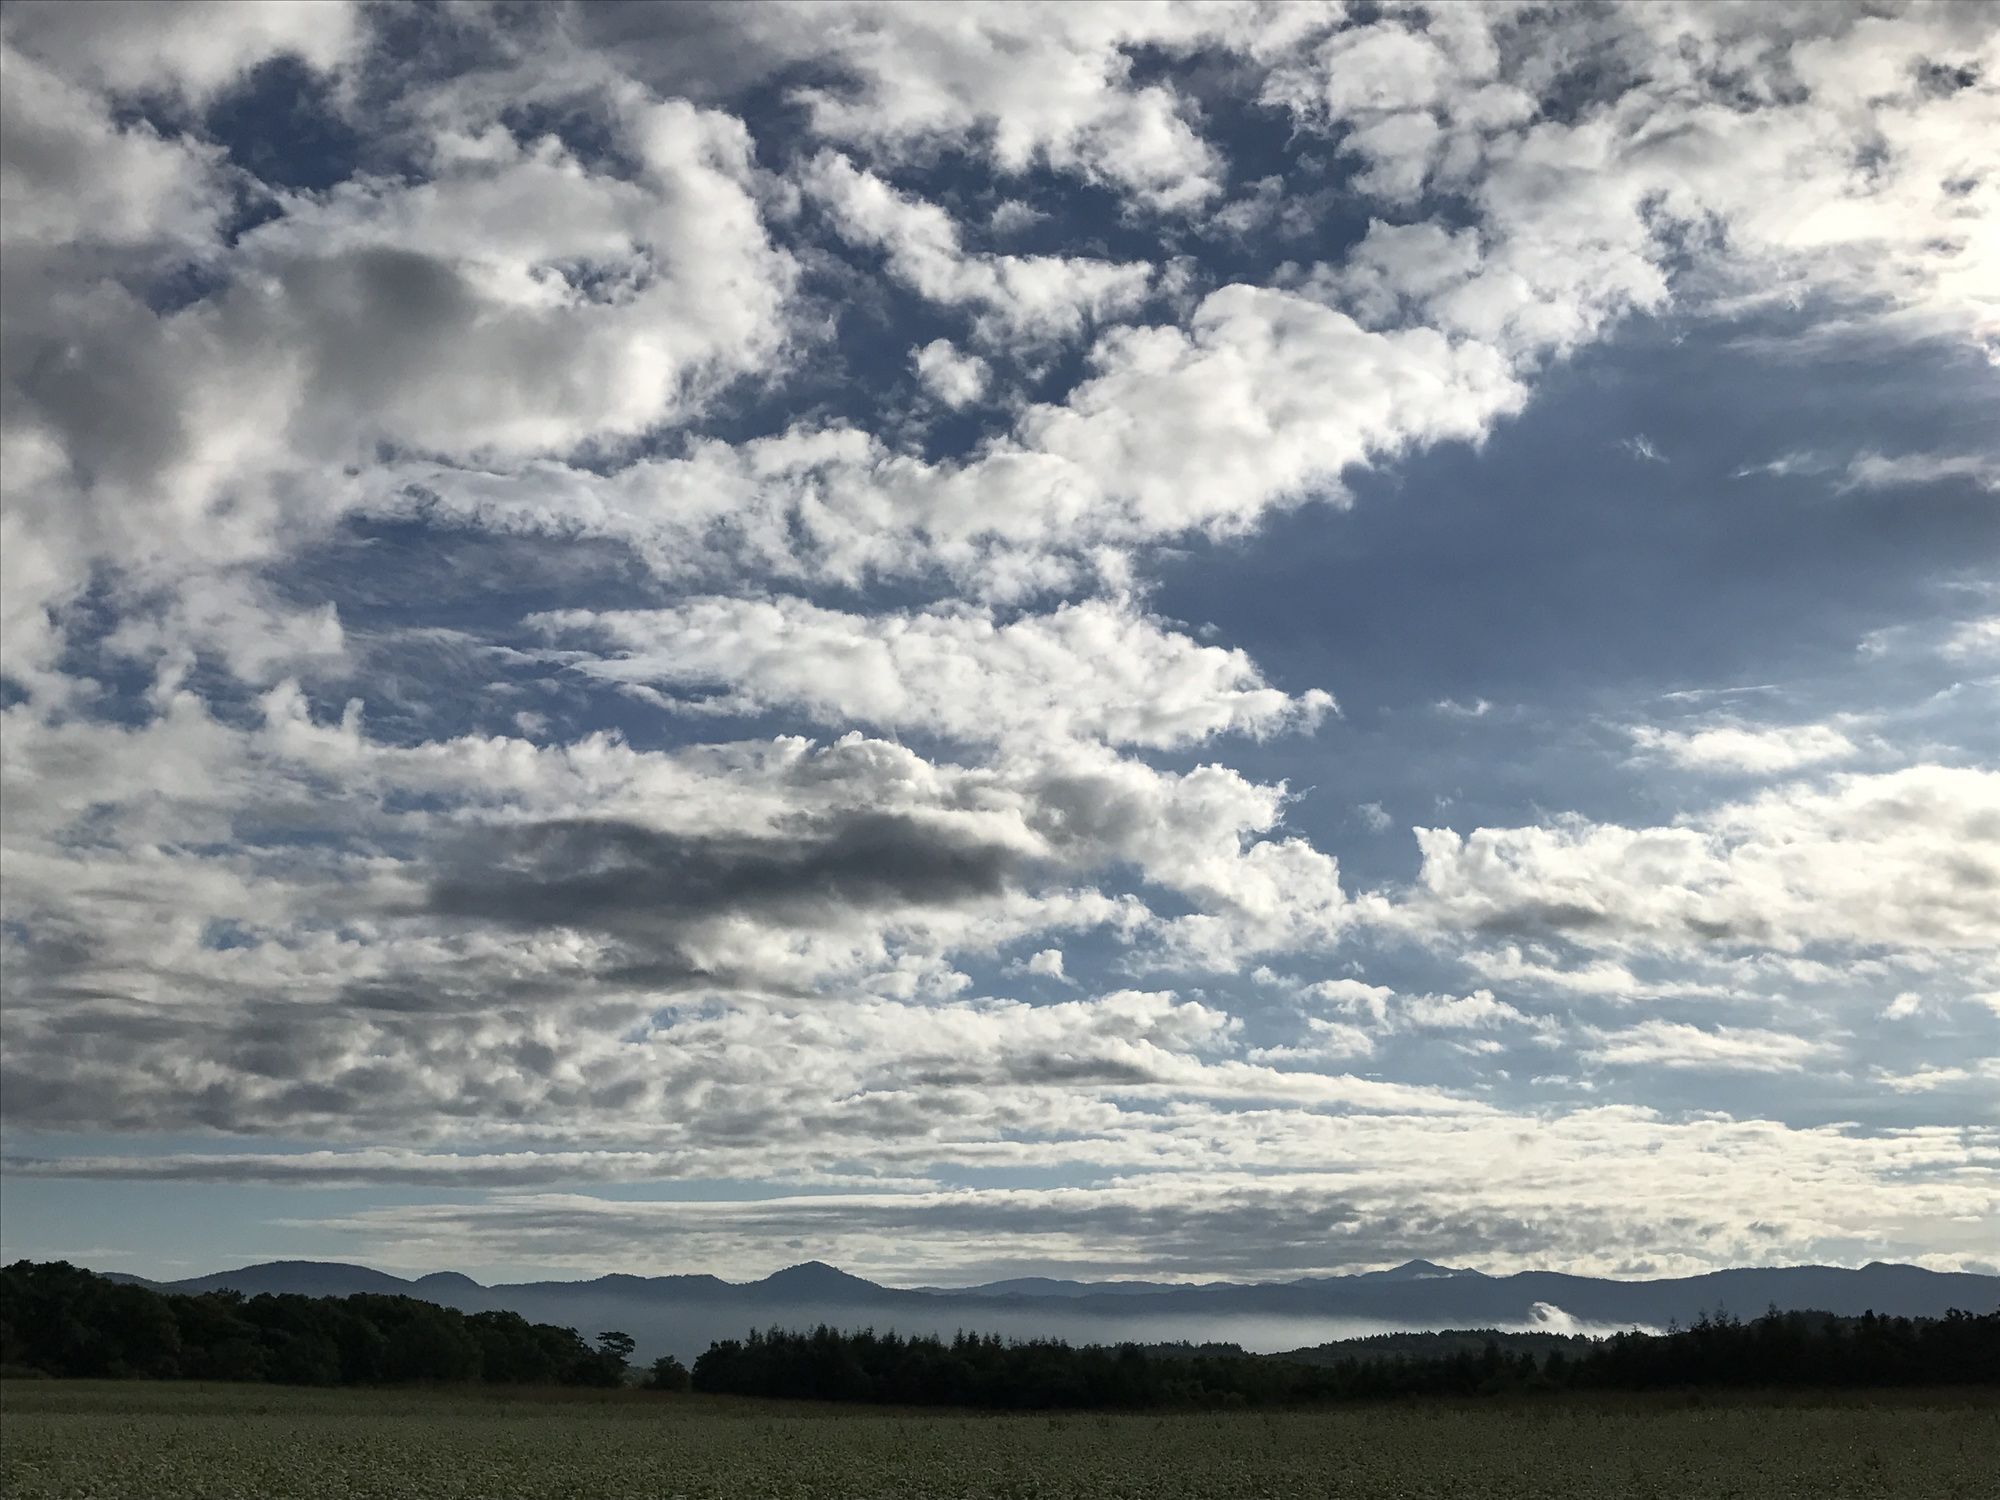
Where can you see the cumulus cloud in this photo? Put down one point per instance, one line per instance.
(1031, 297)
(1762, 750)
(515, 301)
(75, 176)
(1596, 147)
(954, 377)
(1034, 86)
(1048, 963)
(1904, 859)
(1095, 671)
(1261, 403)
(128, 47)
(295, 908)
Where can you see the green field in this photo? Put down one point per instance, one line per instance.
(166, 1441)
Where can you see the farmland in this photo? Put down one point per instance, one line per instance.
(172, 1440)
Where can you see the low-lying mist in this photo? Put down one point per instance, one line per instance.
(686, 1330)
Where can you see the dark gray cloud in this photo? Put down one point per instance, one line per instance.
(640, 882)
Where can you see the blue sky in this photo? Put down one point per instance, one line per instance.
(967, 640)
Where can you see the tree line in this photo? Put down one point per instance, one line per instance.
(1796, 1349)
(56, 1319)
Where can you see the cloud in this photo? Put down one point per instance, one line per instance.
(1904, 860)
(1048, 963)
(198, 48)
(626, 878)
(1352, 995)
(1870, 470)
(290, 926)
(1011, 215)
(1019, 297)
(75, 176)
(1787, 464)
(1098, 670)
(1474, 1012)
(1973, 639)
(955, 378)
(1671, 1044)
(513, 302)
(1388, 1012)
(1538, 969)
(1451, 708)
(1050, 88)
(1876, 471)
(1596, 151)
(1761, 750)
(1984, 1071)
(1599, 1189)
(1324, 1041)
(1262, 402)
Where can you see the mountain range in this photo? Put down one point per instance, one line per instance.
(683, 1314)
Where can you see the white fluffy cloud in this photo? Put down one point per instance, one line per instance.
(73, 177)
(514, 302)
(1263, 401)
(1758, 749)
(1035, 85)
(1094, 671)
(1016, 297)
(948, 373)
(1902, 860)
(131, 47)
(1817, 149)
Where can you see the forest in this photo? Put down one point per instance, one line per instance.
(1790, 1349)
(59, 1320)
(56, 1319)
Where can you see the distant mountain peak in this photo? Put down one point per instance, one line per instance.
(815, 1276)
(313, 1278)
(438, 1279)
(1424, 1270)
(1409, 1270)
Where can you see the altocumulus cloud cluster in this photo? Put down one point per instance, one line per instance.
(667, 638)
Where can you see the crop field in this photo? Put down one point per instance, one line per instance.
(166, 1441)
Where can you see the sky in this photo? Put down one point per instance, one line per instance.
(969, 640)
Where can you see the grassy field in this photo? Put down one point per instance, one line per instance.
(165, 1442)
